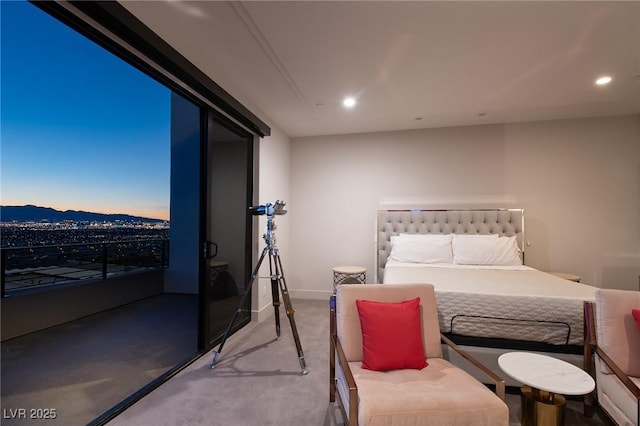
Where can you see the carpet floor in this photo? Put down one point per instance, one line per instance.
(257, 381)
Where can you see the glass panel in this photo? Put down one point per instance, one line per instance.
(227, 235)
(83, 130)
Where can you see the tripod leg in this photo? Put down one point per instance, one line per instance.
(275, 292)
(216, 354)
(290, 311)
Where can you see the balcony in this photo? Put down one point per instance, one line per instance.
(48, 285)
(28, 268)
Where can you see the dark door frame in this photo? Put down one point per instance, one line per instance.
(203, 314)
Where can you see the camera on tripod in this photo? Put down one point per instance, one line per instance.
(269, 209)
(278, 283)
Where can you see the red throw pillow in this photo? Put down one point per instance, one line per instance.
(636, 316)
(391, 335)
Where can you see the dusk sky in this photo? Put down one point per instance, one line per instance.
(80, 128)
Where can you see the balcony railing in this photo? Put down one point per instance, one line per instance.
(37, 266)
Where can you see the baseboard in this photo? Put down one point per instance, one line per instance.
(262, 314)
(310, 294)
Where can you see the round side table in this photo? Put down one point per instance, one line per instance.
(348, 275)
(546, 380)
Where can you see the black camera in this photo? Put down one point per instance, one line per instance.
(269, 209)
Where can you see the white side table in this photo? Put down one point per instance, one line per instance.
(348, 275)
(546, 380)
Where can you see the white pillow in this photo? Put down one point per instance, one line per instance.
(421, 248)
(485, 250)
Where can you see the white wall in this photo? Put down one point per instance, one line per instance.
(578, 181)
(274, 181)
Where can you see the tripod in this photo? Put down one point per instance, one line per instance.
(278, 283)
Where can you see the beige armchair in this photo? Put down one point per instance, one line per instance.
(439, 394)
(616, 346)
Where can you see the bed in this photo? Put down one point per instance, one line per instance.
(489, 301)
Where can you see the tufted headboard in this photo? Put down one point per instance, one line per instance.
(504, 222)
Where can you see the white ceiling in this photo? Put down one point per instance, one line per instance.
(293, 62)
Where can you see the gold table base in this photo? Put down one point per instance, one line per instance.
(541, 407)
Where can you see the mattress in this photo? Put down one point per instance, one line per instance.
(502, 302)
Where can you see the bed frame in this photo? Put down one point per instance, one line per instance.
(504, 222)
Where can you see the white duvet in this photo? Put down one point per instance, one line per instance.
(509, 302)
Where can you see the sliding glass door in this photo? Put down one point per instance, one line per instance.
(227, 248)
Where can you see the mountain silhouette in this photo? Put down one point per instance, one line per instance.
(30, 213)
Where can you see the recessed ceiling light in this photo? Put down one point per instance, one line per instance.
(349, 102)
(603, 80)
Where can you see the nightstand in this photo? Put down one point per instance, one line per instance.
(348, 275)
